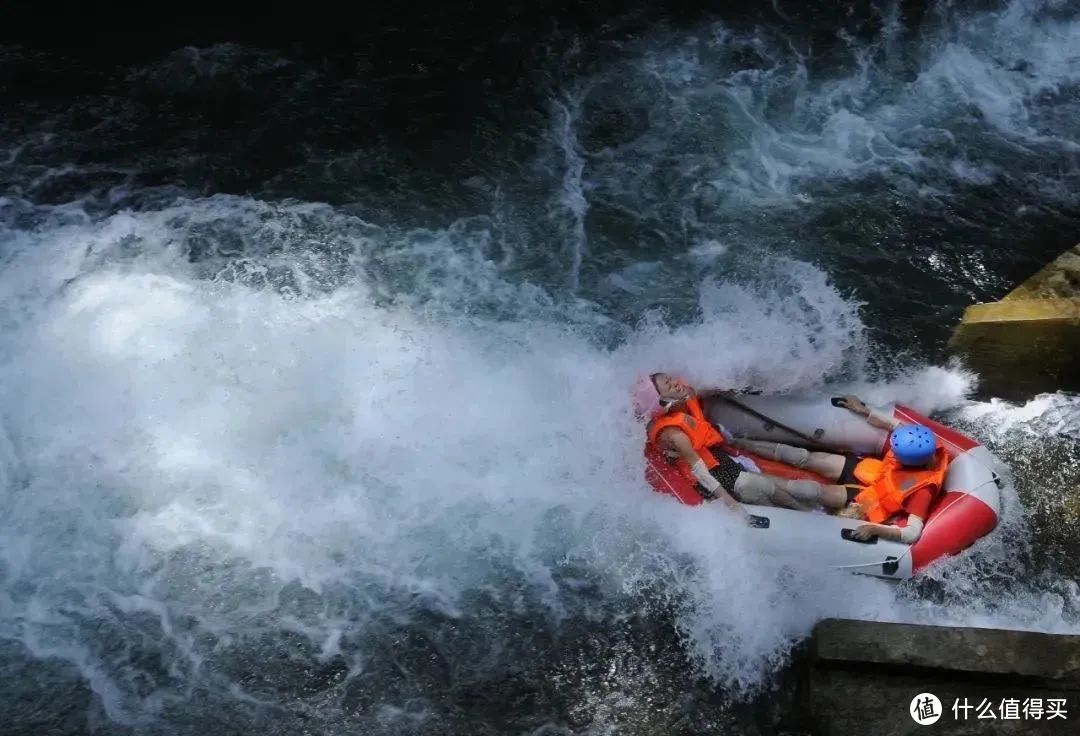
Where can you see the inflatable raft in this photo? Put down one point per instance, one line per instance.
(966, 510)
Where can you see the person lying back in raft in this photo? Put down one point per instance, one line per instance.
(677, 427)
(905, 482)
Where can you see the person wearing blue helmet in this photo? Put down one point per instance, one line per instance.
(901, 486)
(913, 444)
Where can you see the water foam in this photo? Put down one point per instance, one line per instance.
(168, 415)
(201, 442)
(240, 417)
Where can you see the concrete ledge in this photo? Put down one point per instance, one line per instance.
(1059, 278)
(854, 704)
(1050, 657)
(862, 677)
(1029, 341)
(1062, 310)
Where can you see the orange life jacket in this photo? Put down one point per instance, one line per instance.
(692, 422)
(889, 485)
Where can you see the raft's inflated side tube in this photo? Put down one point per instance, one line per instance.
(827, 425)
(966, 510)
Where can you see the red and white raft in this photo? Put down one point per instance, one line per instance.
(966, 510)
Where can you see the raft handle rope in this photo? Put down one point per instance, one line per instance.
(770, 423)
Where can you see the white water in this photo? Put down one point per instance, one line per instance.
(331, 442)
(178, 439)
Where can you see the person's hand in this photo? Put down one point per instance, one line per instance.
(855, 405)
(864, 532)
(673, 401)
(728, 436)
(737, 508)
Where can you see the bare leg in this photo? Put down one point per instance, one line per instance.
(833, 497)
(826, 464)
(780, 497)
(766, 490)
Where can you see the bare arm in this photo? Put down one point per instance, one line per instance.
(908, 535)
(856, 406)
(672, 439)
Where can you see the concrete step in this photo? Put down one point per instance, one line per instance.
(863, 678)
(1029, 342)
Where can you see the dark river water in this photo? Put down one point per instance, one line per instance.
(316, 337)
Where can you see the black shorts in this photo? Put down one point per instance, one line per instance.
(847, 476)
(726, 471)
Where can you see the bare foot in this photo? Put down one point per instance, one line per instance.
(851, 511)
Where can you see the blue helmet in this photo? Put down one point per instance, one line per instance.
(913, 444)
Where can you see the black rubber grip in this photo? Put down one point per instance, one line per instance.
(759, 522)
(837, 401)
(849, 536)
